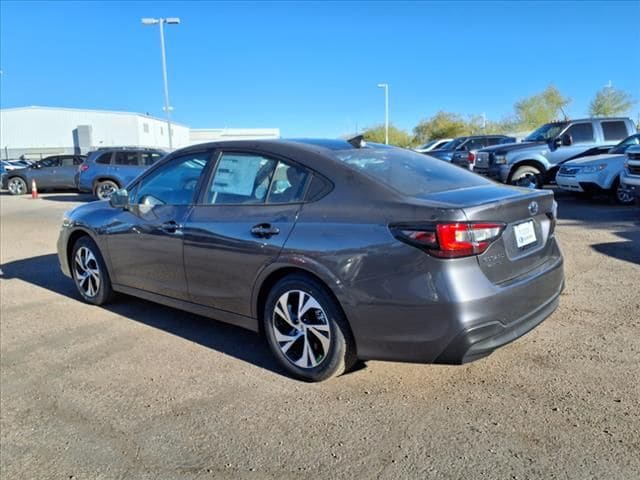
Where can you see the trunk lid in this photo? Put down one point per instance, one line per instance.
(529, 219)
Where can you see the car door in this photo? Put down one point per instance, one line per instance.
(126, 166)
(583, 138)
(145, 240)
(44, 172)
(64, 176)
(244, 216)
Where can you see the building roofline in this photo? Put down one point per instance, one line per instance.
(92, 110)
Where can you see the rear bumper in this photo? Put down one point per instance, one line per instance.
(453, 316)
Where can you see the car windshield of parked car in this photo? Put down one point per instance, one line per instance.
(453, 144)
(546, 132)
(408, 172)
(626, 143)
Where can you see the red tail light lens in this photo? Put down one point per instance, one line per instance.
(84, 167)
(450, 240)
(471, 157)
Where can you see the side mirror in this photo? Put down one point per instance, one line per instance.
(567, 140)
(119, 199)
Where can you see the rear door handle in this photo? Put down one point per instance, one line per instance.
(264, 230)
(171, 227)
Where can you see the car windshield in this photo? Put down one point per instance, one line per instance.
(427, 145)
(546, 132)
(626, 143)
(453, 144)
(408, 172)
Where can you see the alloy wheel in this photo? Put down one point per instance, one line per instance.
(301, 329)
(105, 190)
(87, 272)
(17, 186)
(624, 195)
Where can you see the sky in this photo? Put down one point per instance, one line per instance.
(311, 69)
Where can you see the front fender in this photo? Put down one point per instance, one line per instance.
(529, 157)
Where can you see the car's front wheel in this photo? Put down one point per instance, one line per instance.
(306, 329)
(104, 189)
(17, 186)
(622, 194)
(90, 272)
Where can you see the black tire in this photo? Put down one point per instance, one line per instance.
(340, 354)
(104, 292)
(104, 189)
(620, 195)
(527, 176)
(17, 186)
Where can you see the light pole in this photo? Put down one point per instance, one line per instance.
(386, 111)
(167, 106)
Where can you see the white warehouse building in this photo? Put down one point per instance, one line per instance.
(36, 132)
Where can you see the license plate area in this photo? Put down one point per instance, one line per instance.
(525, 234)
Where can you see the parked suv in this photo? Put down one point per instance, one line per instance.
(536, 160)
(107, 170)
(599, 173)
(51, 173)
(630, 177)
(461, 147)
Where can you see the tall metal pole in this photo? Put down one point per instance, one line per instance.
(386, 111)
(167, 107)
(386, 114)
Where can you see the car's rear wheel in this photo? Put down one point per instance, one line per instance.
(104, 189)
(17, 186)
(622, 194)
(527, 176)
(90, 273)
(306, 329)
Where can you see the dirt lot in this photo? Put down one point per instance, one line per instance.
(137, 390)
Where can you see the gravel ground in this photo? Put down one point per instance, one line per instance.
(138, 390)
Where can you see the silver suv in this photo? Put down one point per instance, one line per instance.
(107, 170)
(536, 160)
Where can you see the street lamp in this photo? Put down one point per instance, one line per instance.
(386, 111)
(167, 107)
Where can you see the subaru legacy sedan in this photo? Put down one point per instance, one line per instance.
(333, 250)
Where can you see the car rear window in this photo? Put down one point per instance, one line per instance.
(410, 173)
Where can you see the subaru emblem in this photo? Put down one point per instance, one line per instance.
(533, 208)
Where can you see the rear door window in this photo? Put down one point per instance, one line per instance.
(288, 184)
(149, 158)
(67, 161)
(127, 159)
(494, 140)
(78, 160)
(104, 159)
(581, 132)
(241, 178)
(50, 162)
(614, 130)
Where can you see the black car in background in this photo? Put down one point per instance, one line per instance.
(461, 150)
(52, 173)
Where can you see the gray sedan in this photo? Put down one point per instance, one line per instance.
(333, 250)
(51, 173)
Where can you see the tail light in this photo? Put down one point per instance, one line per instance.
(83, 167)
(471, 157)
(450, 240)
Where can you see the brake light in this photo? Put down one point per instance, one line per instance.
(471, 157)
(450, 240)
(84, 167)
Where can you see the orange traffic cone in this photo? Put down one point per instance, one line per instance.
(34, 190)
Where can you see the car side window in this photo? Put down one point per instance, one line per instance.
(474, 144)
(78, 160)
(614, 130)
(493, 141)
(104, 159)
(149, 158)
(127, 159)
(288, 184)
(581, 132)
(174, 183)
(50, 162)
(241, 178)
(67, 161)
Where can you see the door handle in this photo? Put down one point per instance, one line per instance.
(171, 227)
(264, 230)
